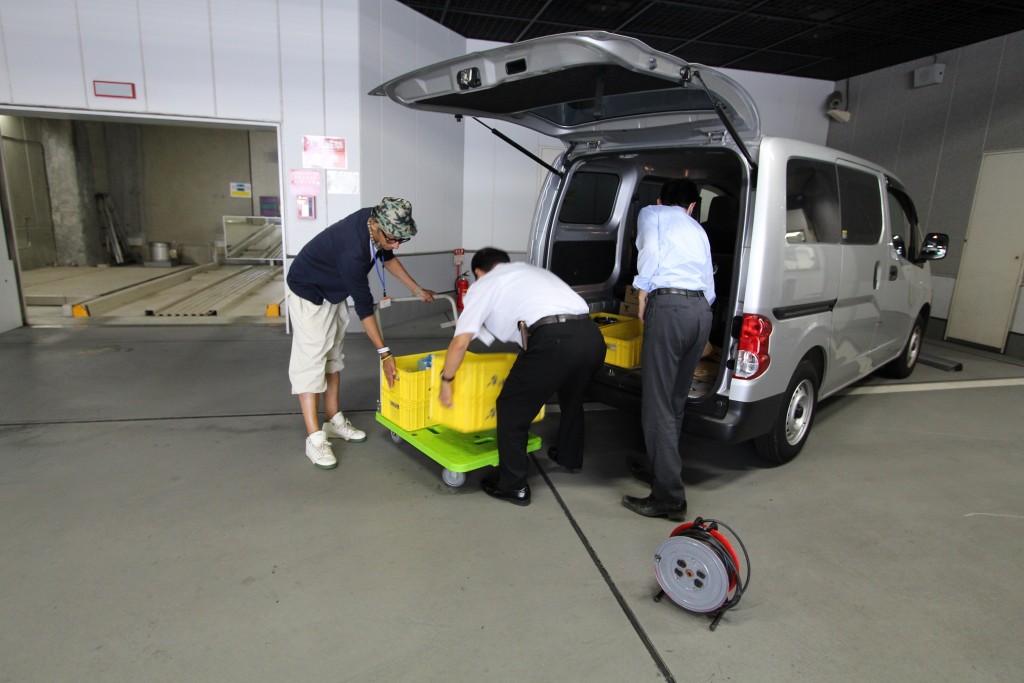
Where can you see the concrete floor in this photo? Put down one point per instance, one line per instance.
(159, 522)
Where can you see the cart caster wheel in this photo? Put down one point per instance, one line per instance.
(453, 479)
(396, 438)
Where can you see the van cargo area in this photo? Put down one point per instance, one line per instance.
(594, 242)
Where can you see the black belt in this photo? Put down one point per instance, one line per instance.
(680, 292)
(560, 318)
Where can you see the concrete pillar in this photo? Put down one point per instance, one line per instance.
(76, 224)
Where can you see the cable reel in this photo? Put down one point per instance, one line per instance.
(698, 569)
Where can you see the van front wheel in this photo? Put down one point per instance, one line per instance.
(901, 366)
(793, 423)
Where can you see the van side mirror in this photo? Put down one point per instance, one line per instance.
(934, 246)
(899, 246)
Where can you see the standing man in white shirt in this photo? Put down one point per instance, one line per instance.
(562, 349)
(676, 286)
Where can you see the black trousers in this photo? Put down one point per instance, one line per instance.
(561, 357)
(675, 331)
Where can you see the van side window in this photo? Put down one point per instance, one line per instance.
(861, 203)
(812, 202)
(589, 198)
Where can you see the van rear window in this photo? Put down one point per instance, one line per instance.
(589, 199)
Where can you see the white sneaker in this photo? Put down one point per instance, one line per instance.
(340, 428)
(318, 450)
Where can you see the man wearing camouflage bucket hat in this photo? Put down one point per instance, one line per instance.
(333, 266)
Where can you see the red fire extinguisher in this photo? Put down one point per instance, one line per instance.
(461, 281)
(461, 287)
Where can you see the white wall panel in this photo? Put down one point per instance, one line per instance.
(479, 181)
(43, 52)
(10, 302)
(399, 158)
(177, 57)
(371, 134)
(789, 106)
(399, 39)
(342, 94)
(112, 51)
(417, 155)
(5, 72)
(302, 91)
(1006, 128)
(439, 149)
(246, 60)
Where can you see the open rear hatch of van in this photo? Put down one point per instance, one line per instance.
(583, 87)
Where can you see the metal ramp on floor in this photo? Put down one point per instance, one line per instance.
(217, 297)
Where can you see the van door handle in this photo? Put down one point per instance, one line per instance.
(876, 280)
(893, 272)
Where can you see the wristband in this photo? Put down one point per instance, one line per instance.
(382, 350)
(447, 379)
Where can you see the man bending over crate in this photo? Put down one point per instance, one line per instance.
(331, 267)
(562, 349)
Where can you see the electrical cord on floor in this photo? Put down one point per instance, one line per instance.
(699, 532)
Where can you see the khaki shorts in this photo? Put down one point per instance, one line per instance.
(318, 335)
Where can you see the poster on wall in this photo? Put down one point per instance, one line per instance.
(302, 181)
(240, 189)
(319, 151)
(342, 182)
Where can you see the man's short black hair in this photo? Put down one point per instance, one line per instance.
(681, 192)
(487, 258)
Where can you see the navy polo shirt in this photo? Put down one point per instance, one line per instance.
(334, 265)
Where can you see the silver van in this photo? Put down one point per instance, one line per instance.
(822, 273)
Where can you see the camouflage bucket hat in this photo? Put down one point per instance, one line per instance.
(395, 217)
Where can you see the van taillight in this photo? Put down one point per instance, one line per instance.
(752, 357)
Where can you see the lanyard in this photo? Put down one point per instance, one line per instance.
(376, 265)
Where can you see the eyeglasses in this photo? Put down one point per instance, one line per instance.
(394, 240)
(388, 238)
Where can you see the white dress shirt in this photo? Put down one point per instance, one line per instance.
(511, 292)
(673, 251)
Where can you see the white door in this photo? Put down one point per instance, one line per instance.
(10, 297)
(988, 283)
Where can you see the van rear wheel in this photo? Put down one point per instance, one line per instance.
(796, 414)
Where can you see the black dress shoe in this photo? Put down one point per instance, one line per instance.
(553, 454)
(649, 507)
(514, 496)
(641, 472)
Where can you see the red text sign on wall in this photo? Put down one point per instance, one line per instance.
(323, 152)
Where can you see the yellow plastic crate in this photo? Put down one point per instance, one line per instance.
(413, 402)
(475, 393)
(623, 339)
(408, 403)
